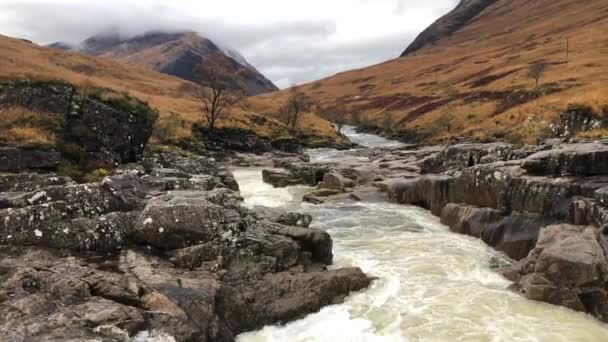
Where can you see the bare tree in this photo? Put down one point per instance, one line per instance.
(214, 94)
(297, 104)
(536, 72)
(336, 115)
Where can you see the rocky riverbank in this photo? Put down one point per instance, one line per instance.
(543, 206)
(161, 246)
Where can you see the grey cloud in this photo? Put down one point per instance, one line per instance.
(285, 51)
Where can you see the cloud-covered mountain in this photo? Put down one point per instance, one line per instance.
(177, 54)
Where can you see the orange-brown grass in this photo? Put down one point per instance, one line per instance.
(19, 126)
(19, 59)
(477, 79)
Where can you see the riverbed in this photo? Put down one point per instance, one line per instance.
(433, 285)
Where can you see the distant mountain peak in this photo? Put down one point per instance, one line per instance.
(178, 53)
(449, 23)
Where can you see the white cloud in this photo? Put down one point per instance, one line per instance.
(289, 41)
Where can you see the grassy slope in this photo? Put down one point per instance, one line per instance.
(20, 59)
(477, 79)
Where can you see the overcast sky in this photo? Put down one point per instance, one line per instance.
(289, 41)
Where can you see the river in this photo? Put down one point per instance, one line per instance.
(433, 285)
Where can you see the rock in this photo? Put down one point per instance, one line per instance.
(514, 233)
(108, 128)
(461, 156)
(130, 189)
(19, 159)
(283, 217)
(47, 297)
(281, 178)
(187, 296)
(295, 219)
(166, 173)
(335, 181)
(578, 119)
(319, 196)
(587, 159)
(179, 220)
(317, 242)
(568, 267)
(432, 192)
(285, 296)
(107, 233)
(26, 182)
(196, 182)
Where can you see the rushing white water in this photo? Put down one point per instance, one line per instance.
(433, 285)
(363, 139)
(368, 140)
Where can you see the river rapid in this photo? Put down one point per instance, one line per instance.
(433, 285)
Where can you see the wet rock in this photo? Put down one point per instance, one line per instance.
(568, 267)
(317, 242)
(335, 181)
(432, 192)
(19, 159)
(281, 178)
(285, 296)
(320, 196)
(514, 233)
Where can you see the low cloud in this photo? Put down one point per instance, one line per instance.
(284, 44)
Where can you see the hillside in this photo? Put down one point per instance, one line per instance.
(178, 54)
(474, 81)
(20, 59)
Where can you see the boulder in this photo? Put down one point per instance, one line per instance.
(568, 267)
(335, 181)
(285, 296)
(182, 219)
(281, 178)
(514, 233)
(320, 196)
(106, 126)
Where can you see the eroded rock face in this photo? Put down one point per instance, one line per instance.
(568, 267)
(166, 248)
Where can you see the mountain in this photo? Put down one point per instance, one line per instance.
(178, 54)
(466, 11)
(474, 81)
(178, 109)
